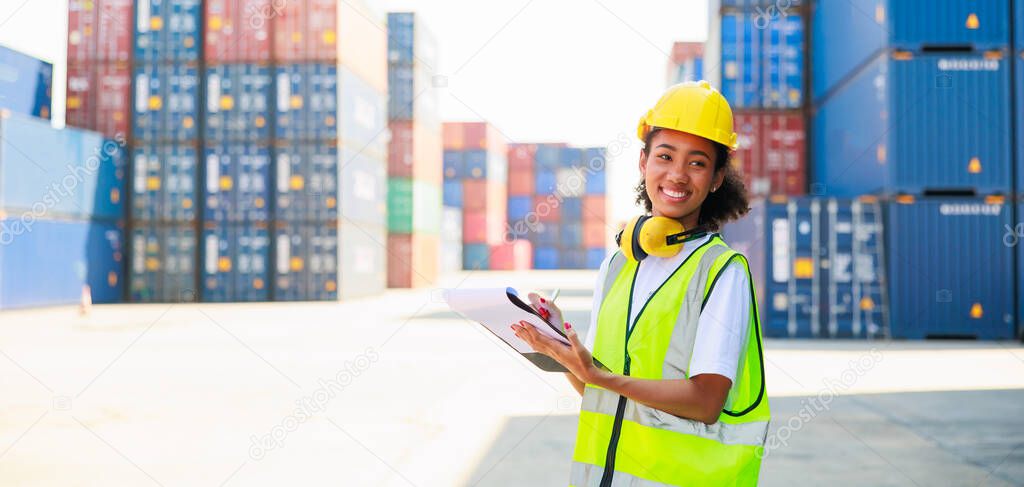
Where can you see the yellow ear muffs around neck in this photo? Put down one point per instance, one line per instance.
(654, 235)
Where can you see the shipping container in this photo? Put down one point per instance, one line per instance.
(572, 259)
(164, 181)
(953, 290)
(235, 262)
(452, 193)
(519, 208)
(763, 7)
(571, 210)
(47, 262)
(166, 103)
(474, 194)
(362, 190)
(415, 152)
(1018, 96)
(99, 30)
(521, 157)
(363, 122)
(306, 102)
(238, 102)
(521, 182)
(570, 182)
(570, 236)
(50, 172)
(781, 239)
(413, 207)
(771, 157)
(595, 160)
(547, 235)
(595, 208)
(237, 183)
(238, 31)
(412, 260)
(848, 34)
(412, 95)
(545, 181)
(595, 234)
(686, 63)
(595, 257)
(547, 156)
(409, 41)
(305, 261)
(99, 98)
(476, 256)
(306, 181)
(105, 194)
(454, 164)
(545, 257)
(761, 60)
(167, 30)
(917, 123)
(548, 208)
(162, 266)
(511, 256)
(854, 298)
(362, 260)
(26, 83)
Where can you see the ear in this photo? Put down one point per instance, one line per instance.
(643, 163)
(716, 182)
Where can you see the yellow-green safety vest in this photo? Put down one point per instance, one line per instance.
(620, 442)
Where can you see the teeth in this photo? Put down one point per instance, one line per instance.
(674, 194)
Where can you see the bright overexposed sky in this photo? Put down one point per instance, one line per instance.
(576, 71)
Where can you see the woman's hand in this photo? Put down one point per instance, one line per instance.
(546, 309)
(574, 356)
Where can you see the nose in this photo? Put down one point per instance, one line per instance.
(678, 175)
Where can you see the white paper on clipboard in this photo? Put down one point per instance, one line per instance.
(497, 309)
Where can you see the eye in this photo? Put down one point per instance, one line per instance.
(665, 157)
(698, 163)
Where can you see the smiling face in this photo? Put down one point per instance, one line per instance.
(679, 171)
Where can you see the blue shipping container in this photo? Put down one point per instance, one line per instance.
(454, 165)
(47, 262)
(235, 263)
(954, 290)
(548, 156)
(571, 210)
(572, 259)
(238, 102)
(236, 186)
(571, 235)
(164, 183)
(167, 30)
(519, 207)
(26, 83)
(936, 121)
(546, 235)
(595, 257)
(569, 157)
(109, 185)
(848, 34)
(363, 115)
(545, 258)
(452, 193)
(162, 266)
(475, 162)
(306, 262)
(476, 256)
(762, 60)
(306, 182)
(306, 102)
(852, 269)
(362, 189)
(545, 180)
(166, 104)
(409, 41)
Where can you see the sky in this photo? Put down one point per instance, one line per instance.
(575, 71)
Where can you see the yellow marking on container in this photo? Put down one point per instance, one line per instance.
(803, 268)
(115, 195)
(974, 167)
(330, 286)
(152, 264)
(296, 264)
(186, 203)
(296, 183)
(972, 22)
(155, 103)
(257, 283)
(331, 202)
(905, 199)
(329, 37)
(189, 41)
(224, 264)
(295, 101)
(867, 304)
(156, 23)
(152, 183)
(215, 22)
(226, 183)
(902, 55)
(112, 279)
(879, 13)
(881, 153)
(976, 311)
(259, 202)
(188, 122)
(73, 102)
(995, 199)
(260, 121)
(227, 102)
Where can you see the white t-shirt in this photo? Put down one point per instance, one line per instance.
(723, 325)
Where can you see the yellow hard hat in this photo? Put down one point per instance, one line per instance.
(693, 107)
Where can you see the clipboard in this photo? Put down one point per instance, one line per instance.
(496, 309)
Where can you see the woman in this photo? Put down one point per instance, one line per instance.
(674, 320)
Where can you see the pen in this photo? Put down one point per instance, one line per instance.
(554, 295)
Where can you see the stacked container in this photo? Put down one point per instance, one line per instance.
(557, 202)
(99, 75)
(818, 266)
(26, 84)
(62, 226)
(166, 205)
(913, 103)
(414, 156)
(758, 47)
(686, 63)
(475, 179)
(329, 141)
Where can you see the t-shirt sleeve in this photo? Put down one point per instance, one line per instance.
(591, 335)
(723, 326)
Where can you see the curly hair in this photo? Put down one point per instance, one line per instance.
(729, 202)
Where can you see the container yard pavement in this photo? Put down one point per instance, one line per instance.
(396, 390)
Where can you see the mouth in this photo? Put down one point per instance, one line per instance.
(673, 196)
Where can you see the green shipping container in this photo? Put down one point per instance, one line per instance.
(413, 206)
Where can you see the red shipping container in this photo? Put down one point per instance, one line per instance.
(784, 167)
(82, 29)
(521, 156)
(546, 211)
(238, 30)
(322, 26)
(595, 233)
(98, 97)
(400, 149)
(594, 208)
(114, 38)
(685, 51)
(520, 181)
(747, 156)
(289, 30)
(474, 227)
(474, 194)
(453, 136)
(475, 135)
(412, 260)
(512, 256)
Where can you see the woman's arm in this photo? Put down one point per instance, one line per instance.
(576, 383)
(699, 398)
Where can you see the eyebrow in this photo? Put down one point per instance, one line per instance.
(699, 153)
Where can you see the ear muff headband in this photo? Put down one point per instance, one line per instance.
(650, 235)
(638, 250)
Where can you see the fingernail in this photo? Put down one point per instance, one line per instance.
(542, 300)
(567, 325)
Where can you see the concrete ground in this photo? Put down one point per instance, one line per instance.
(396, 390)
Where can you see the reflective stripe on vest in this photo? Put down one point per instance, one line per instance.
(646, 446)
